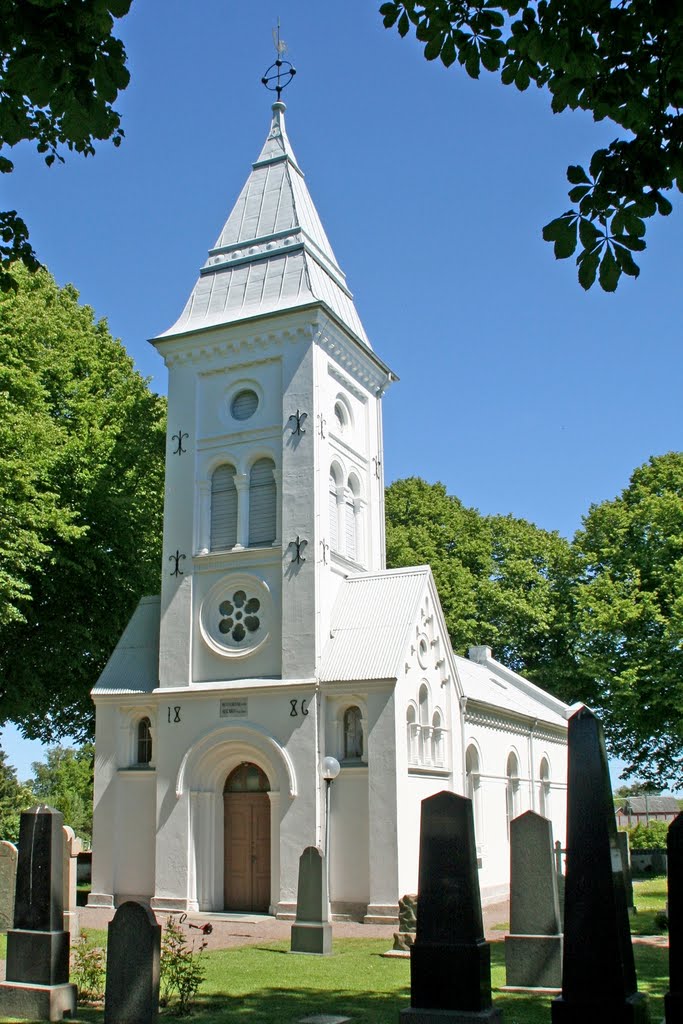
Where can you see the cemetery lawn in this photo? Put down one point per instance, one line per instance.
(649, 896)
(268, 985)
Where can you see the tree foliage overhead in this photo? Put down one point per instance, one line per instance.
(61, 70)
(621, 61)
(81, 481)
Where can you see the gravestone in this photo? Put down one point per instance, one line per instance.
(312, 931)
(625, 853)
(450, 961)
(37, 973)
(598, 975)
(133, 955)
(72, 847)
(8, 883)
(407, 924)
(559, 853)
(533, 949)
(673, 1000)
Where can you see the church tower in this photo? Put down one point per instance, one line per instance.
(274, 485)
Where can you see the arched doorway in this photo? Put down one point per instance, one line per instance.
(246, 836)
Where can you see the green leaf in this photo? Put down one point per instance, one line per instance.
(403, 25)
(489, 58)
(664, 207)
(389, 14)
(448, 53)
(578, 192)
(433, 47)
(610, 272)
(577, 176)
(588, 268)
(588, 233)
(626, 261)
(522, 80)
(557, 228)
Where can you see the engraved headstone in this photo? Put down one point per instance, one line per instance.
(72, 847)
(673, 1000)
(8, 883)
(533, 949)
(37, 947)
(450, 961)
(312, 931)
(598, 976)
(133, 957)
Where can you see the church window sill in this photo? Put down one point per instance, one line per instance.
(420, 769)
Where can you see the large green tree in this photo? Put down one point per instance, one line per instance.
(14, 798)
(61, 70)
(64, 780)
(621, 61)
(628, 619)
(502, 581)
(81, 483)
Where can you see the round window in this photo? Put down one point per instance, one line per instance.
(423, 650)
(244, 404)
(236, 615)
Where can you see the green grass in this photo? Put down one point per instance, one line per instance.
(649, 896)
(268, 985)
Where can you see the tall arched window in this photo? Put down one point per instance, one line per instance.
(262, 504)
(351, 511)
(144, 741)
(423, 740)
(223, 508)
(353, 734)
(512, 788)
(437, 741)
(412, 730)
(333, 510)
(473, 779)
(544, 789)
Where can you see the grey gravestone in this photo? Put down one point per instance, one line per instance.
(407, 923)
(673, 1000)
(533, 949)
(450, 961)
(37, 947)
(133, 954)
(625, 853)
(8, 883)
(312, 931)
(599, 977)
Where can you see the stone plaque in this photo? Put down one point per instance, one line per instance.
(234, 708)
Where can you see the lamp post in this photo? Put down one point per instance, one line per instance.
(329, 769)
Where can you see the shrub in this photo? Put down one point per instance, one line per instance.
(649, 837)
(181, 970)
(88, 969)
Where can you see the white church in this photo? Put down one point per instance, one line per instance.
(280, 639)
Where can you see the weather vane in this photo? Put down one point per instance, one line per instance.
(282, 71)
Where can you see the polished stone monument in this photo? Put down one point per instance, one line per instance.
(533, 949)
(133, 956)
(450, 961)
(598, 972)
(37, 976)
(625, 851)
(673, 1000)
(312, 931)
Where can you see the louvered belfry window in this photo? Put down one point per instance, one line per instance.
(262, 504)
(223, 508)
(334, 515)
(350, 527)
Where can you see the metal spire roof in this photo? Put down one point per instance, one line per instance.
(273, 253)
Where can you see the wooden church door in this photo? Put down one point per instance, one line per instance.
(246, 817)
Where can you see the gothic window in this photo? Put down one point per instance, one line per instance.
(333, 511)
(512, 792)
(412, 732)
(340, 416)
(352, 518)
(223, 508)
(353, 734)
(437, 741)
(423, 739)
(262, 504)
(144, 741)
(544, 789)
(473, 779)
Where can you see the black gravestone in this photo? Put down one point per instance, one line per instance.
(133, 954)
(673, 1000)
(450, 962)
(599, 977)
(37, 973)
(312, 931)
(533, 949)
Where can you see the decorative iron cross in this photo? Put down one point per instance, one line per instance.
(299, 420)
(377, 462)
(176, 571)
(323, 421)
(299, 545)
(180, 437)
(326, 547)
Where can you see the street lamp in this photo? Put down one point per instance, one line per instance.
(329, 769)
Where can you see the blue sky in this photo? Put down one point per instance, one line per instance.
(519, 391)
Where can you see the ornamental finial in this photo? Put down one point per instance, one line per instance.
(282, 71)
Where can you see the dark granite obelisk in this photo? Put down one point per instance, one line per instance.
(533, 949)
(673, 1000)
(312, 931)
(37, 978)
(599, 976)
(450, 961)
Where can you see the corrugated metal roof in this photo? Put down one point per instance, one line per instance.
(134, 664)
(650, 805)
(371, 623)
(483, 683)
(273, 253)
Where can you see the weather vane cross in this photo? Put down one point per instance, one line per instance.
(282, 71)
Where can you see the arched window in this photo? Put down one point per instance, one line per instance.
(144, 741)
(223, 508)
(423, 751)
(544, 789)
(353, 734)
(512, 788)
(437, 741)
(352, 518)
(246, 778)
(333, 511)
(340, 416)
(412, 731)
(473, 779)
(262, 504)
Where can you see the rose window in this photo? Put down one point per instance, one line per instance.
(239, 615)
